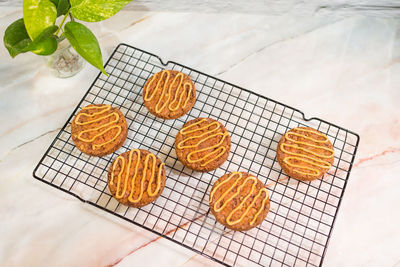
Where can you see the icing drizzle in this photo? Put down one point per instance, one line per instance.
(121, 188)
(312, 158)
(249, 179)
(177, 100)
(217, 149)
(102, 113)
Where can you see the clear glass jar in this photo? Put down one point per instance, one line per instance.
(65, 61)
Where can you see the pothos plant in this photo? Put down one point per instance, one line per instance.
(36, 32)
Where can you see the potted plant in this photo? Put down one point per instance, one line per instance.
(67, 42)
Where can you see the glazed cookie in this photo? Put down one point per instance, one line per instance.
(169, 94)
(305, 153)
(239, 201)
(203, 144)
(136, 178)
(98, 130)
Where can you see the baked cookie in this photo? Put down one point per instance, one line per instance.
(98, 130)
(169, 94)
(203, 144)
(305, 153)
(136, 178)
(239, 201)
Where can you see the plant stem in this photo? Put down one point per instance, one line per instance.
(62, 22)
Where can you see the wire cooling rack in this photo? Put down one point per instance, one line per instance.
(297, 228)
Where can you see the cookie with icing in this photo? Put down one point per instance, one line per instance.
(98, 130)
(203, 144)
(239, 201)
(305, 153)
(169, 94)
(136, 178)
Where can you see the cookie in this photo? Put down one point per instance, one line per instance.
(203, 144)
(169, 94)
(239, 201)
(305, 153)
(136, 178)
(98, 130)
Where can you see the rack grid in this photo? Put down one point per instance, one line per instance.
(297, 228)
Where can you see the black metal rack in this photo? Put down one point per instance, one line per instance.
(297, 228)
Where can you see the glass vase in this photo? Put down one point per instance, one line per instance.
(65, 61)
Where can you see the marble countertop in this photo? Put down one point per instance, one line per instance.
(344, 70)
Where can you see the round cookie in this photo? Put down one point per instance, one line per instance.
(98, 130)
(169, 94)
(239, 201)
(203, 144)
(136, 178)
(305, 153)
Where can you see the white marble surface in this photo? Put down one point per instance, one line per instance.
(343, 70)
(337, 8)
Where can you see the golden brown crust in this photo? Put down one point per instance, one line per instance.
(118, 130)
(200, 137)
(249, 214)
(140, 185)
(305, 166)
(167, 108)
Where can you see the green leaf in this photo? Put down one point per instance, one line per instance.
(38, 15)
(16, 38)
(46, 43)
(96, 10)
(62, 6)
(85, 43)
(17, 41)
